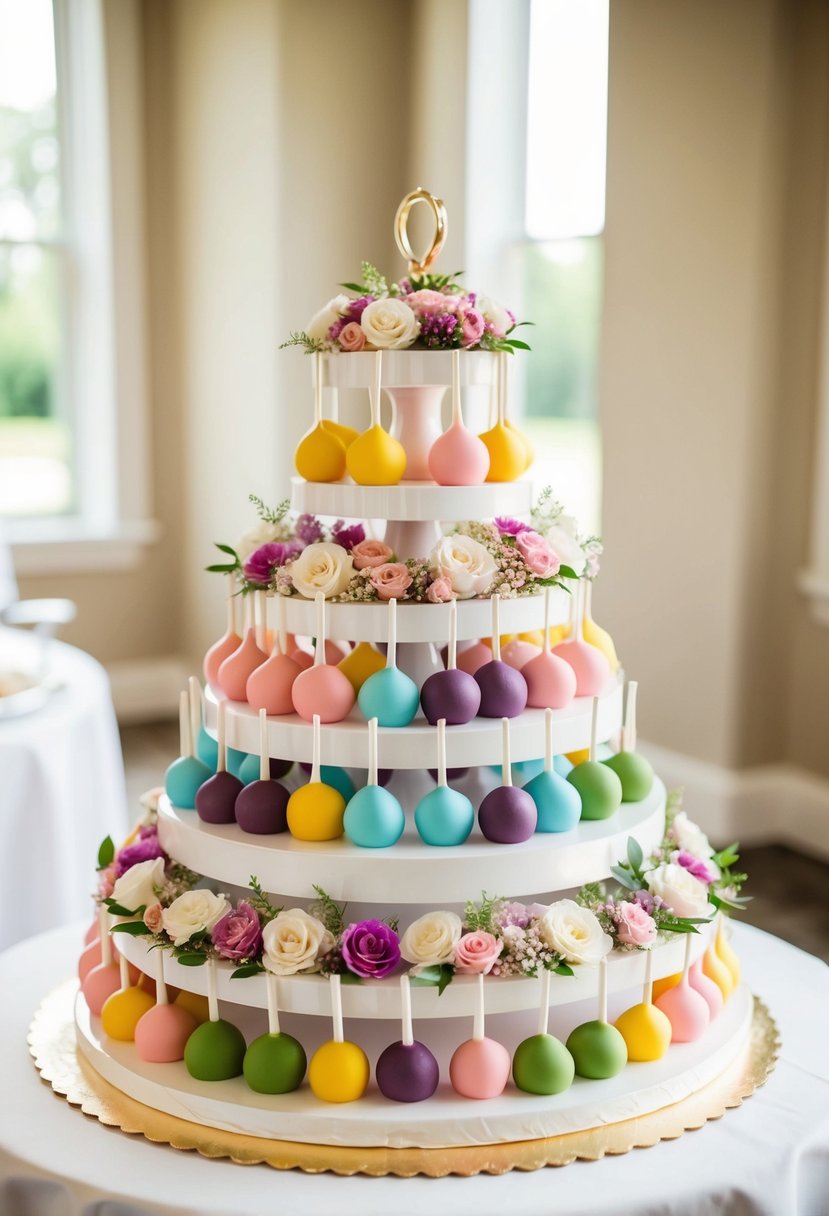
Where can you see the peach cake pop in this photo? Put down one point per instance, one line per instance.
(322, 689)
(458, 457)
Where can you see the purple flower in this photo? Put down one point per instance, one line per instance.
(508, 526)
(308, 529)
(347, 536)
(514, 914)
(357, 307)
(695, 865)
(441, 332)
(336, 329)
(370, 949)
(263, 561)
(647, 901)
(238, 934)
(146, 848)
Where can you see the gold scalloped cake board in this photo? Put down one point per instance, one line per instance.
(52, 1044)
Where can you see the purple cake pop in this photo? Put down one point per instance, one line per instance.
(451, 694)
(407, 1071)
(262, 806)
(503, 689)
(507, 815)
(216, 799)
(452, 774)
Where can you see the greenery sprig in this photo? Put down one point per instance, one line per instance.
(298, 337)
(260, 903)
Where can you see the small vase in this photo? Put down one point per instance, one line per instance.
(416, 423)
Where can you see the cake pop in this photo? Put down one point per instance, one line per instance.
(261, 807)
(458, 457)
(374, 818)
(235, 671)
(320, 455)
(594, 635)
(322, 689)
(519, 653)
(185, 775)
(470, 658)
(103, 980)
(480, 1067)
(389, 695)
(303, 658)
(339, 1071)
(163, 1031)
(503, 690)
(407, 1071)
(248, 771)
(451, 694)
(725, 951)
(557, 802)
(717, 972)
(591, 668)
(315, 811)
(206, 747)
(551, 681)
(216, 799)
(507, 814)
(339, 778)
(345, 434)
(542, 1064)
(598, 1049)
(91, 955)
(215, 1050)
(228, 642)
(686, 1009)
(507, 452)
(707, 989)
(375, 458)
(269, 686)
(645, 1028)
(194, 1003)
(122, 1010)
(444, 816)
(634, 771)
(598, 785)
(274, 1063)
(361, 663)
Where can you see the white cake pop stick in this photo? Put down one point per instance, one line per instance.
(544, 1006)
(184, 725)
(602, 1002)
(594, 727)
(406, 1011)
(264, 758)
(391, 648)
(372, 751)
(578, 624)
(336, 1007)
(442, 752)
(478, 1025)
(231, 602)
(316, 767)
(548, 740)
(221, 739)
(506, 765)
(212, 995)
(546, 646)
(376, 388)
(687, 963)
(261, 620)
(124, 971)
(453, 635)
(496, 628)
(647, 990)
(161, 997)
(195, 698)
(103, 931)
(457, 416)
(280, 642)
(271, 982)
(319, 651)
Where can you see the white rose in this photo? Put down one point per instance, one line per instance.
(319, 325)
(263, 533)
(574, 932)
(389, 324)
(431, 939)
(469, 565)
(562, 536)
(136, 888)
(495, 314)
(684, 894)
(293, 941)
(321, 567)
(690, 837)
(191, 913)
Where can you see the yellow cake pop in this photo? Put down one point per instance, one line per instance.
(725, 953)
(122, 1010)
(716, 970)
(506, 447)
(669, 981)
(534, 636)
(194, 1003)
(315, 810)
(320, 455)
(645, 1029)
(339, 1071)
(361, 663)
(374, 458)
(345, 434)
(595, 635)
(529, 453)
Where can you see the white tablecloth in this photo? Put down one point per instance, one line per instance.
(768, 1158)
(61, 792)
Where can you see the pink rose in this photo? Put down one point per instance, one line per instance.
(351, 337)
(106, 880)
(391, 581)
(429, 303)
(472, 324)
(369, 554)
(477, 953)
(440, 591)
(538, 557)
(633, 925)
(152, 917)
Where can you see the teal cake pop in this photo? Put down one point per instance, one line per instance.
(634, 772)
(542, 1064)
(374, 818)
(206, 748)
(274, 1063)
(390, 695)
(598, 1049)
(186, 775)
(599, 787)
(557, 801)
(444, 816)
(215, 1050)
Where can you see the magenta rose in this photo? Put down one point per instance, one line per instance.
(705, 871)
(369, 554)
(347, 535)
(261, 564)
(477, 953)
(507, 526)
(440, 591)
(538, 557)
(391, 581)
(351, 337)
(634, 927)
(370, 949)
(146, 848)
(238, 934)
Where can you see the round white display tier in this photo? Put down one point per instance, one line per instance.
(420, 622)
(402, 368)
(411, 872)
(445, 1119)
(411, 501)
(414, 747)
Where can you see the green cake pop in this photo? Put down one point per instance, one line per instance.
(598, 785)
(542, 1064)
(274, 1063)
(598, 1049)
(215, 1050)
(634, 772)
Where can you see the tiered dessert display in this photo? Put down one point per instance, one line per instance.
(370, 845)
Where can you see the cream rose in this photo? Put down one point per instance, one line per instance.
(319, 325)
(574, 932)
(562, 537)
(689, 836)
(136, 888)
(293, 941)
(389, 324)
(684, 894)
(494, 314)
(431, 939)
(466, 563)
(191, 913)
(322, 567)
(264, 533)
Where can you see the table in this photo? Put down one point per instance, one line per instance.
(61, 792)
(769, 1158)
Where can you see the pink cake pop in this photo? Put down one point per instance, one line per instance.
(227, 643)
(551, 681)
(233, 673)
(103, 980)
(92, 934)
(686, 1009)
(322, 689)
(458, 457)
(508, 814)
(269, 686)
(470, 658)
(518, 653)
(706, 987)
(452, 695)
(303, 658)
(261, 807)
(503, 690)
(216, 799)
(480, 1067)
(160, 1035)
(91, 956)
(590, 665)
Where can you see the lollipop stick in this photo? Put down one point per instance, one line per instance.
(264, 758)
(124, 971)
(647, 991)
(319, 652)
(273, 1002)
(546, 620)
(372, 751)
(506, 766)
(457, 419)
(594, 726)
(194, 689)
(548, 740)
(603, 990)
(544, 1007)
(103, 930)
(453, 635)
(315, 758)
(478, 1024)
(231, 603)
(185, 743)
(502, 402)
(687, 962)
(337, 1008)
(317, 388)
(221, 758)
(406, 1010)
(280, 645)
(441, 751)
(161, 997)
(391, 649)
(578, 631)
(212, 995)
(375, 397)
(629, 728)
(261, 620)
(496, 629)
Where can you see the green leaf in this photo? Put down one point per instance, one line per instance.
(635, 855)
(516, 344)
(106, 853)
(567, 572)
(563, 969)
(191, 960)
(242, 973)
(358, 287)
(227, 549)
(119, 910)
(220, 569)
(439, 975)
(135, 928)
(348, 977)
(626, 879)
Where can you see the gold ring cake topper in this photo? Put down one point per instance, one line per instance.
(419, 265)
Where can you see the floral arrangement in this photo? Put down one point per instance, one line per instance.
(427, 311)
(671, 891)
(507, 557)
